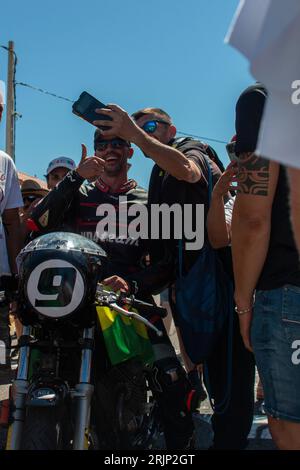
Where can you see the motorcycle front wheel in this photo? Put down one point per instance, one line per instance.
(44, 430)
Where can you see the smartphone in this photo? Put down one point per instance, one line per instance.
(231, 152)
(85, 107)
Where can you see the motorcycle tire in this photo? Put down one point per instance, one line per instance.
(43, 430)
(120, 392)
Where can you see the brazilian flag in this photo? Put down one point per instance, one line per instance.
(124, 337)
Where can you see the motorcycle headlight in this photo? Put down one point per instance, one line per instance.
(55, 288)
(58, 273)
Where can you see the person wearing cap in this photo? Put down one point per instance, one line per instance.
(57, 170)
(75, 206)
(10, 240)
(32, 193)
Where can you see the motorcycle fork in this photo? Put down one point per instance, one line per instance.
(19, 393)
(83, 392)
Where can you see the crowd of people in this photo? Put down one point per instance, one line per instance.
(247, 227)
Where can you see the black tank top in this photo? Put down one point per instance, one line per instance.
(282, 263)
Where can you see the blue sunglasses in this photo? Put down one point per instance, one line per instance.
(151, 126)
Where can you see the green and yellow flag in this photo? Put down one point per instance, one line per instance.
(124, 337)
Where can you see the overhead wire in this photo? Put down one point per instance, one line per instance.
(54, 95)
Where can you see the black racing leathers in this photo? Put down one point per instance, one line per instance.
(87, 209)
(82, 208)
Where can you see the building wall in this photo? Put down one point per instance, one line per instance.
(24, 176)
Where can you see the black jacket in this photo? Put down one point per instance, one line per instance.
(75, 207)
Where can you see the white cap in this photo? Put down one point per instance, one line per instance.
(61, 162)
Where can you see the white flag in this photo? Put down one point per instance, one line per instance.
(267, 32)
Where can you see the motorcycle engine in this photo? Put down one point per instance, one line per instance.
(132, 398)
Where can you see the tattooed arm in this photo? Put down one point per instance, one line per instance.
(251, 225)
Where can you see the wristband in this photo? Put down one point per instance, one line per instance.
(74, 176)
(244, 311)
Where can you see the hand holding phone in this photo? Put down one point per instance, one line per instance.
(85, 108)
(227, 181)
(231, 151)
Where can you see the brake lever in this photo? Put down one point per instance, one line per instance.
(129, 314)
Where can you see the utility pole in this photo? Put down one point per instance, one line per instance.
(10, 106)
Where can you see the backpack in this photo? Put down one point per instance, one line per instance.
(202, 307)
(188, 143)
(203, 299)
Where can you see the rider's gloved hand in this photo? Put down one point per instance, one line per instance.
(117, 283)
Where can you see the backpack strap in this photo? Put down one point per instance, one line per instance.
(210, 188)
(210, 179)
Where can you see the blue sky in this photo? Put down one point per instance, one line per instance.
(165, 53)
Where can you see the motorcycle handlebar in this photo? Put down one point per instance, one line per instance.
(110, 297)
(118, 301)
(148, 309)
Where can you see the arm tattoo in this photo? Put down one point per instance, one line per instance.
(253, 176)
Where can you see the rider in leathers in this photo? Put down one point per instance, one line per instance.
(78, 207)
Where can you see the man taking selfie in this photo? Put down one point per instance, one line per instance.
(180, 175)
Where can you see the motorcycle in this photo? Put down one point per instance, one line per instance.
(84, 378)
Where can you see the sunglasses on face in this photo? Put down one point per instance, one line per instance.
(29, 199)
(151, 126)
(115, 144)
